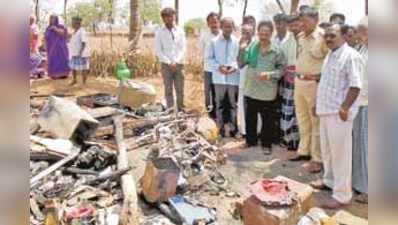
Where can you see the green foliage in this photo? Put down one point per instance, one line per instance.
(94, 13)
(194, 26)
(150, 11)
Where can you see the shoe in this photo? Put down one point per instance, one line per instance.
(267, 150)
(298, 158)
(319, 185)
(333, 204)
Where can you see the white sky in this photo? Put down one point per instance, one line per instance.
(189, 9)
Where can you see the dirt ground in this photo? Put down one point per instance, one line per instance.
(243, 167)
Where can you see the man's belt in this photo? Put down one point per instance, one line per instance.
(309, 77)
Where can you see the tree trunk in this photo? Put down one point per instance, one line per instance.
(280, 6)
(295, 4)
(220, 7)
(110, 21)
(129, 214)
(65, 9)
(245, 8)
(135, 24)
(37, 11)
(177, 9)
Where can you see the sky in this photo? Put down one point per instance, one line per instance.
(189, 9)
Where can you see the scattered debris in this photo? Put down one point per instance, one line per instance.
(65, 119)
(135, 94)
(317, 216)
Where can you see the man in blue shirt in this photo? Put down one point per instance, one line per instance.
(222, 55)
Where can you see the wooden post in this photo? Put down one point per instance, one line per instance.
(245, 9)
(177, 9)
(129, 214)
(280, 6)
(220, 7)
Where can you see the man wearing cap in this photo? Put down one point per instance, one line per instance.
(312, 51)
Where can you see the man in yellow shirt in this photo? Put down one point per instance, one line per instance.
(312, 51)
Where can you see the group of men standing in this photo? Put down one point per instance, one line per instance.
(300, 85)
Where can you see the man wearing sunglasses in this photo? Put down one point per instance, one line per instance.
(337, 106)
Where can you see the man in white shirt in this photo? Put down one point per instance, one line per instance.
(170, 47)
(79, 51)
(337, 106)
(213, 23)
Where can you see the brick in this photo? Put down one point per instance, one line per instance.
(254, 213)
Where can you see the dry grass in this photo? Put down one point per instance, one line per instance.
(105, 57)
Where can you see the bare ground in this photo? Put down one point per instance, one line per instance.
(243, 166)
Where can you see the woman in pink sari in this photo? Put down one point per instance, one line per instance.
(57, 50)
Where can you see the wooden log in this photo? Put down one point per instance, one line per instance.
(102, 112)
(134, 124)
(129, 213)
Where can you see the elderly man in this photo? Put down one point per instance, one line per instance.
(213, 24)
(170, 46)
(222, 54)
(288, 44)
(337, 107)
(312, 51)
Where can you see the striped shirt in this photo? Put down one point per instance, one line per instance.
(341, 71)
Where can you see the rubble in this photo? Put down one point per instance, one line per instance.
(65, 119)
(84, 167)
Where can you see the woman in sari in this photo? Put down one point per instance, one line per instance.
(57, 50)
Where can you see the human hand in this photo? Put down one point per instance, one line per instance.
(173, 67)
(343, 114)
(223, 70)
(263, 76)
(243, 43)
(313, 110)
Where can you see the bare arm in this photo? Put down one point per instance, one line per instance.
(352, 95)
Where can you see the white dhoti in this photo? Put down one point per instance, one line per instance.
(336, 147)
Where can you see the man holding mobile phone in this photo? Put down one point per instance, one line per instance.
(222, 54)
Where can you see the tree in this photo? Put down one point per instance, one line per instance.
(135, 24)
(177, 9)
(294, 6)
(94, 13)
(220, 7)
(193, 26)
(37, 11)
(150, 11)
(65, 10)
(245, 8)
(280, 6)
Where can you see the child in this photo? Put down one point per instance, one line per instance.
(79, 51)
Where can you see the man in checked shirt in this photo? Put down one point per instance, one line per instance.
(337, 106)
